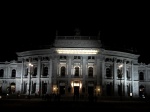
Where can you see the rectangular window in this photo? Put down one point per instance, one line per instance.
(77, 57)
(62, 57)
(91, 57)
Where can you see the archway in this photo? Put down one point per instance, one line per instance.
(141, 91)
(12, 87)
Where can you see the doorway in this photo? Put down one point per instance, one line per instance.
(76, 90)
(62, 90)
(90, 90)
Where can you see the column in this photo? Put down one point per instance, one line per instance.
(54, 72)
(115, 77)
(29, 70)
(38, 87)
(22, 73)
(99, 80)
(69, 69)
(50, 76)
(102, 76)
(84, 70)
(132, 79)
(125, 77)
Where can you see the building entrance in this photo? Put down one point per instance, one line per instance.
(62, 90)
(90, 90)
(76, 90)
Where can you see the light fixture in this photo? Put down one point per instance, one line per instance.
(30, 65)
(62, 51)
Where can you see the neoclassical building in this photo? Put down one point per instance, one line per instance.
(75, 65)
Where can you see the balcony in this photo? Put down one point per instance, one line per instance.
(77, 37)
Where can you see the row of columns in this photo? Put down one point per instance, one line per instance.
(99, 71)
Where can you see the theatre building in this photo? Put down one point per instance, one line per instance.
(74, 66)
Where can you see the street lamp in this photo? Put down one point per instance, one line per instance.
(120, 73)
(30, 65)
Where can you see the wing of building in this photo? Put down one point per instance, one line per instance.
(75, 66)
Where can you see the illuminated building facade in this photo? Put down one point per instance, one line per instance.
(75, 66)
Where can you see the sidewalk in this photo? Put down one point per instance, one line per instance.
(72, 99)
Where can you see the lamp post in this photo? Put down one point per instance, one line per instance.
(30, 65)
(120, 68)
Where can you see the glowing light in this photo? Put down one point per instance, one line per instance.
(76, 84)
(80, 85)
(72, 84)
(77, 51)
(120, 66)
(30, 64)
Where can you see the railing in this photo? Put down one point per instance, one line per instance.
(77, 37)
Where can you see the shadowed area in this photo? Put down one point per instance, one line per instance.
(27, 104)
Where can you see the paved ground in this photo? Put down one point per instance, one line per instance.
(14, 105)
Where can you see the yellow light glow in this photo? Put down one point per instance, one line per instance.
(80, 85)
(120, 66)
(76, 84)
(30, 64)
(77, 51)
(72, 84)
(130, 94)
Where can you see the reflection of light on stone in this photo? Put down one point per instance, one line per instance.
(77, 51)
(72, 84)
(80, 85)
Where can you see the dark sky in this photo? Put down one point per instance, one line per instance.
(25, 28)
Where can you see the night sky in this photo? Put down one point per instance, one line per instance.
(23, 29)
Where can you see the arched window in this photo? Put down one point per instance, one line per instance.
(141, 76)
(12, 87)
(45, 71)
(76, 71)
(128, 75)
(62, 71)
(1, 73)
(109, 89)
(35, 71)
(90, 71)
(33, 87)
(119, 73)
(26, 72)
(44, 88)
(108, 72)
(13, 73)
(25, 87)
(120, 91)
(141, 90)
